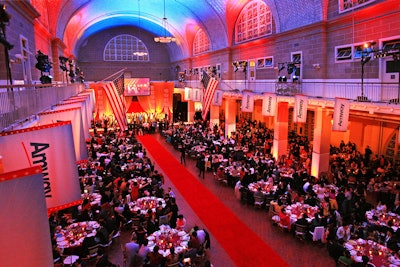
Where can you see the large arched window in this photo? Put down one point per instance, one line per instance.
(125, 48)
(254, 21)
(201, 43)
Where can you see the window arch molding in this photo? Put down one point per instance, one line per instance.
(254, 21)
(201, 42)
(125, 47)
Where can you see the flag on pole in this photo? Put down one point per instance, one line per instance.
(115, 94)
(210, 85)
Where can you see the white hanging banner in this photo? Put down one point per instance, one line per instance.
(188, 94)
(196, 95)
(341, 114)
(50, 147)
(300, 109)
(74, 115)
(84, 112)
(269, 104)
(23, 216)
(217, 100)
(247, 102)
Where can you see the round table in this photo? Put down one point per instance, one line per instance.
(145, 203)
(168, 237)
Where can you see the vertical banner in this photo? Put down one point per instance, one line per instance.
(50, 147)
(196, 96)
(188, 94)
(269, 104)
(73, 115)
(247, 102)
(300, 109)
(341, 115)
(217, 100)
(24, 216)
(85, 117)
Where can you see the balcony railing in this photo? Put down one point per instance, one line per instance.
(18, 103)
(374, 91)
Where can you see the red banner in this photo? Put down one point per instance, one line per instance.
(50, 147)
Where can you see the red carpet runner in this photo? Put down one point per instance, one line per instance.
(243, 246)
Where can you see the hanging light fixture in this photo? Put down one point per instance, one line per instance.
(164, 39)
(140, 53)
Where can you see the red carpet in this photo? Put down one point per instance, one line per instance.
(243, 246)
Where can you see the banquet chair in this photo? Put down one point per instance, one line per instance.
(318, 233)
(163, 220)
(341, 263)
(110, 240)
(93, 250)
(259, 202)
(300, 231)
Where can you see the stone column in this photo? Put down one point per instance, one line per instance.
(280, 144)
(321, 143)
(214, 116)
(230, 116)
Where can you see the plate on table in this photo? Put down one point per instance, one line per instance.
(352, 242)
(179, 249)
(60, 238)
(353, 252)
(151, 238)
(184, 244)
(182, 233)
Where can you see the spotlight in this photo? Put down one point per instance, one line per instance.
(295, 78)
(282, 79)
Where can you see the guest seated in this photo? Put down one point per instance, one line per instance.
(180, 222)
(172, 258)
(155, 258)
(284, 219)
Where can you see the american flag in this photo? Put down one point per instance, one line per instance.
(115, 94)
(210, 85)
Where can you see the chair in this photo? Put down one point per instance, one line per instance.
(135, 222)
(282, 226)
(70, 260)
(116, 235)
(318, 233)
(110, 240)
(93, 250)
(300, 231)
(163, 220)
(341, 263)
(258, 202)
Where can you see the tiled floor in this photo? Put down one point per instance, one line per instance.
(295, 252)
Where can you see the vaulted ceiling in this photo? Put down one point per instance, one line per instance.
(73, 21)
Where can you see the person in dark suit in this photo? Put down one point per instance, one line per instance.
(183, 153)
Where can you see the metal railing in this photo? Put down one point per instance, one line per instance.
(374, 91)
(18, 103)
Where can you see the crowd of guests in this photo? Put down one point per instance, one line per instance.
(345, 192)
(116, 162)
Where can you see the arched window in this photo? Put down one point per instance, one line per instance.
(201, 43)
(125, 48)
(254, 21)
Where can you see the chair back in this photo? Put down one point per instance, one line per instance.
(163, 220)
(318, 233)
(301, 230)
